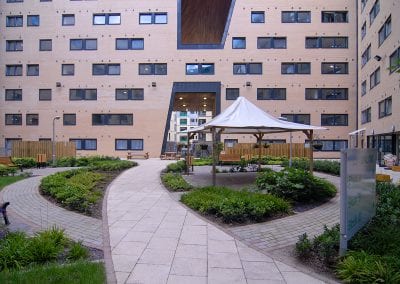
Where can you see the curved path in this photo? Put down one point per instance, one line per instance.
(154, 239)
(31, 212)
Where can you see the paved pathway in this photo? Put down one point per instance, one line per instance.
(154, 239)
(29, 210)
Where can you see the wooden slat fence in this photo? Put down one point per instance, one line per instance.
(33, 148)
(275, 150)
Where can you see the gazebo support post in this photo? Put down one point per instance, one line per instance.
(187, 158)
(214, 155)
(310, 137)
(259, 137)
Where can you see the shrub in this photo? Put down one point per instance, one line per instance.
(26, 162)
(111, 165)
(175, 182)
(14, 251)
(46, 246)
(388, 208)
(303, 247)
(234, 206)
(324, 166)
(6, 171)
(177, 167)
(77, 252)
(66, 162)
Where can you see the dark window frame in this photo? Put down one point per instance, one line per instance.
(336, 119)
(106, 19)
(65, 20)
(278, 94)
(130, 94)
(32, 119)
(296, 117)
(375, 78)
(41, 94)
(296, 18)
(32, 67)
(385, 31)
(14, 45)
(83, 44)
(65, 72)
(296, 69)
(14, 21)
(82, 143)
(106, 69)
(394, 61)
(333, 16)
(232, 94)
(16, 119)
(129, 144)
(202, 69)
(330, 95)
(366, 115)
(83, 94)
(16, 68)
(248, 68)
(13, 94)
(320, 42)
(241, 40)
(30, 18)
(387, 111)
(256, 14)
(153, 18)
(42, 41)
(272, 42)
(153, 68)
(69, 119)
(104, 119)
(335, 66)
(130, 44)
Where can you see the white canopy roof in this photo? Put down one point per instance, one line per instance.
(244, 117)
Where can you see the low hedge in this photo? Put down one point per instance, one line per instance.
(323, 166)
(6, 171)
(175, 182)
(26, 162)
(235, 206)
(177, 167)
(83, 161)
(111, 165)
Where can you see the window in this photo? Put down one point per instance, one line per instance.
(366, 116)
(183, 121)
(69, 119)
(366, 56)
(364, 88)
(326, 94)
(82, 94)
(332, 145)
(67, 69)
(258, 17)
(385, 30)
(153, 18)
(129, 144)
(112, 119)
(394, 60)
(298, 118)
(230, 143)
(385, 107)
(107, 19)
(15, 1)
(238, 42)
(14, 70)
(13, 94)
(231, 94)
(106, 69)
(334, 120)
(326, 42)
(271, 94)
(152, 68)
(375, 78)
(271, 42)
(334, 68)
(129, 43)
(45, 45)
(83, 44)
(363, 3)
(374, 12)
(129, 94)
(44, 94)
(296, 68)
(14, 45)
(247, 68)
(68, 20)
(32, 119)
(335, 17)
(33, 21)
(14, 21)
(32, 70)
(363, 30)
(14, 119)
(273, 141)
(84, 144)
(296, 17)
(200, 69)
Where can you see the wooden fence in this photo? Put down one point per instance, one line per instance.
(33, 148)
(275, 150)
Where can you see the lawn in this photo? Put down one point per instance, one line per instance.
(4, 181)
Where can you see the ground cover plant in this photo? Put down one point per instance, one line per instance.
(178, 167)
(324, 166)
(7, 171)
(25, 162)
(175, 182)
(235, 206)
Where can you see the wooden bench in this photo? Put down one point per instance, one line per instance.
(383, 178)
(170, 156)
(396, 168)
(7, 162)
(132, 155)
(229, 158)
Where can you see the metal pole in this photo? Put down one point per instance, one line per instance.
(53, 151)
(290, 151)
(214, 154)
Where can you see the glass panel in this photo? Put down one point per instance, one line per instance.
(122, 43)
(78, 143)
(137, 94)
(33, 70)
(160, 18)
(264, 42)
(68, 20)
(257, 17)
(207, 69)
(90, 94)
(90, 144)
(45, 94)
(255, 68)
(136, 144)
(76, 44)
(192, 69)
(279, 42)
(303, 17)
(312, 94)
(312, 42)
(239, 69)
(122, 94)
(45, 45)
(145, 18)
(68, 69)
(69, 119)
(303, 68)
(33, 20)
(145, 69)
(99, 69)
(137, 43)
(114, 19)
(121, 144)
(91, 44)
(114, 69)
(99, 19)
(238, 43)
(160, 69)
(288, 68)
(32, 119)
(288, 17)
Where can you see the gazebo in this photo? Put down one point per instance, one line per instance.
(243, 117)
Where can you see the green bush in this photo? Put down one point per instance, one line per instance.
(77, 252)
(6, 171)
(111, 165)
(324, 166)
(388, 208)
(177, 167)
(235, 206)
(25, 163)
(14, 250)
(66, 162)
(83, 161)
(46, 246)
(175, 182)
(303, 247)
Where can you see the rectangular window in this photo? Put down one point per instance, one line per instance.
(14, 21)
(82, 94)
(13, 94)
(334, 68)
(106, 69)
(364, 30)
(15, 1)
(183, 121)
(107, 19)
(129, 144)
(247, 68)
(394, 61)
(112, 119)
(32, 119)
(14, 70)
(333, 145)
(385, 107)
(68, 20)
(296, 68)
(375, 78)
(326, 94)
(334, 16)
(385, 30)
(366, 56)
(238, 43)
(334, 120)
(69, 119)
(297, 118)
(129, 43)
(129, 94)
(85, 144)
(363, 3)
(366, 116)
(231, 94)
(32, 70)
(14, 119)
(152, 68)
(271, 94)
(296, 17)
(271, 42)
(83, 44)
(45, 45)
(14, 45)
(326, 42)
(374, 12)
(200, 69)
(364, 88)
(153, 18)
(258, 17)
(67, 69)
(44, 94)
(33, 20)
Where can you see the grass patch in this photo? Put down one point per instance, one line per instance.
(81, 272)
(235, 206)
(203, 161)
(175, 182)
(7, 180)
